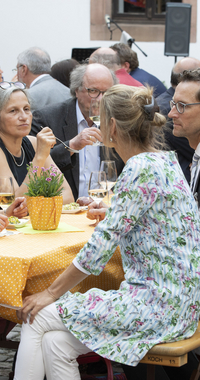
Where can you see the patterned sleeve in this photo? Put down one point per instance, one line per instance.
(135, 192)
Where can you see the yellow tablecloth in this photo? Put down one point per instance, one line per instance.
(30, 263)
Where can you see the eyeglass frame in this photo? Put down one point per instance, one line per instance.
(174, 104)
(14, 84)
(94, 89)
(17, 68)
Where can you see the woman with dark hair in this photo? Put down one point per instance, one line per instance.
(61, 70)
(154, 219)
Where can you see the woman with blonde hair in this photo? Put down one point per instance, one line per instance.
(154, 219)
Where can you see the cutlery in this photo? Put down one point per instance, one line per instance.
(65, 145)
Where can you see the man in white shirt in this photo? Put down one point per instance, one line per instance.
(33, 68)
(185, 113)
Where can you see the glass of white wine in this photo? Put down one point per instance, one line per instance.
(109, 167)
(97, 188)
(7, 194)
(94, 115)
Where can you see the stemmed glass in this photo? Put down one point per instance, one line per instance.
(94, 115)
(7, 194)
(109, 167)
(97, 188)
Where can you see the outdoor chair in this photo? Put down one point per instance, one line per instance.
(92, 357)
(172, 355)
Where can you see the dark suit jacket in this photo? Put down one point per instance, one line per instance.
(146, 78)
(179, 144)
(62, 119)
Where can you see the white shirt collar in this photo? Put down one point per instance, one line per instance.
(79, 114)
(197, 150)
(36, 79)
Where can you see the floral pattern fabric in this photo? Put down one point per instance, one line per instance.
(154, 219)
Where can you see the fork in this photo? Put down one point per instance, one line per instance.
(65, 145)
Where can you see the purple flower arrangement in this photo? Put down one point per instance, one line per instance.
(47, 183)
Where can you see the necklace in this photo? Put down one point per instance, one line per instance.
(23, 154)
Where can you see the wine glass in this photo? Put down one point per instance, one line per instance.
(109, 167)
(94, 115)
(7, 194)
(97, 187)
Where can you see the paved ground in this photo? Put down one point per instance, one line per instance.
(6, 356)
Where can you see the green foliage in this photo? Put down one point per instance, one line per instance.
(181, 241)
(48, 183)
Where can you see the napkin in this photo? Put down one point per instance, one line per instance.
(62, 227)
(8, 233)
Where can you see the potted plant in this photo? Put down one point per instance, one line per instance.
(44, 197)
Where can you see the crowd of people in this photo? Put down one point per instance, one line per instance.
(153, 215)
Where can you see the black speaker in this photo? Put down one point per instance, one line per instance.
(177, 29)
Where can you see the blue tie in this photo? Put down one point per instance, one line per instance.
(194, 167)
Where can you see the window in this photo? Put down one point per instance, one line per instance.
(140, 10)
(134, 19)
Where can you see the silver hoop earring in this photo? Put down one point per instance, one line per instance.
(111, 140)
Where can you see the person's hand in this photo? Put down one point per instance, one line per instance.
(96, 211)
(84, 201)
(45, 141)
(15, 78)
(87, 137)
(18, 208)
(33, 304)
(3, 222)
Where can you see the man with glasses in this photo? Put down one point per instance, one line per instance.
(179, 144)
(185, 113)
(33, 68)
(70, 122)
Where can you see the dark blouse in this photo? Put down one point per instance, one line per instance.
(19, 172)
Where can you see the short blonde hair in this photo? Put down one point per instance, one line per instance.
(126, 104)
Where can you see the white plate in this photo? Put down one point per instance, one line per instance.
(75, 211)
(21, 223)
(3, 233)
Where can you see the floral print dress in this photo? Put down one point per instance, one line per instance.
(154, 219)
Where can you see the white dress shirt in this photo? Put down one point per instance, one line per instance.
(89, 157)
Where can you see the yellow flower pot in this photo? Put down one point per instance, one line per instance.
(44, 212)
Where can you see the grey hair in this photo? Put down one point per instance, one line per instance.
(76, 78)
(77, 75)
(6, 94)
(37, 60)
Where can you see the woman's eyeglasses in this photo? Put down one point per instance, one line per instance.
(6, 85)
